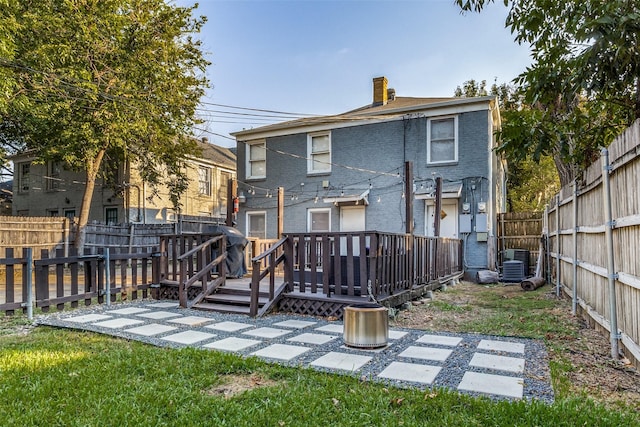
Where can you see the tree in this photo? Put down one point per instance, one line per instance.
(471, 88)
(531, 179)
(7, 27)
(98, 79)
(583, 87)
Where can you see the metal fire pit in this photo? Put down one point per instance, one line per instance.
(366, 326)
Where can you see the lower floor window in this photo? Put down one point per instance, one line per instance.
(319, 220)
(257, 225)
(111, 215)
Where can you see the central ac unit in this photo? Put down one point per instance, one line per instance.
(513, 271)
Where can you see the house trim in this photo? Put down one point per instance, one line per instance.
(327, 123)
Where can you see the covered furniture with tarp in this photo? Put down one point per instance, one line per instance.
(236, 242)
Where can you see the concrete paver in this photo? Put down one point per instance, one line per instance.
(492, 384)
(484, 365)
(281, 351)
(509, 347)
(425, 374)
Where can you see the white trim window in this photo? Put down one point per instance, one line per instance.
(204, 181)
(257, 224)
(256, 160)
(319, 153)
(442, 140)
(319, 220)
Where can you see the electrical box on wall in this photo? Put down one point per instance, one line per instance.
(481, 237)
(482, 207)
(466, 207)
(481, 223)
(465, 223)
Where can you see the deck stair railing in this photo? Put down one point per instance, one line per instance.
(195, 263)
(267, 265)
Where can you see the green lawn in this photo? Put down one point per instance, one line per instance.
(54, 377)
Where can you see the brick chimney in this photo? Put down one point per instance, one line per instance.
(380, 90)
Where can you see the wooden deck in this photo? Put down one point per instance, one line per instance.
(310, 274)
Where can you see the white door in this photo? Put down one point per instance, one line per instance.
(448, 219)
(352, 218)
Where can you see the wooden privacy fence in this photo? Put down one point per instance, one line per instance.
(18, 232)
(58, 279)
(134, 235)
(577, 228)
(519, 230)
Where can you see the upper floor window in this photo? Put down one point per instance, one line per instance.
(442, 140)
(24, 171)
(204, 181)
(53, 175)
(257, 159)
(319, 153)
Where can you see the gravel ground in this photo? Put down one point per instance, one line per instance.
(537, 380)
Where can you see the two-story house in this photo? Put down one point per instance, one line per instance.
(120, 195)
(346, 172)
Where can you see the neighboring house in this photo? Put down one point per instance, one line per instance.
(6, 196)
(120, 196)
(346, 172)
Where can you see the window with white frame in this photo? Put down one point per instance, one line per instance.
(319, 220)
(256, 160)
(24, 172)
(204, 180)
(442, 140)
(319, 153)
(257, 224)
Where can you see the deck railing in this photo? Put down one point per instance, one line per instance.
(355, 264)
(194, 262)
(268, 264)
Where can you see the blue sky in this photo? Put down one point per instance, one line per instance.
(319, 57)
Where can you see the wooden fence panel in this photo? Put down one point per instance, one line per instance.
(591, 280)
(20, 232)
(520, 230)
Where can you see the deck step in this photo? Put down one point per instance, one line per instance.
(222, 308)
(234, 299)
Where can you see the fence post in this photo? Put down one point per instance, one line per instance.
(557, 245)
(574, 293)
(611, 271)
(107, 275)
(29, 267)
